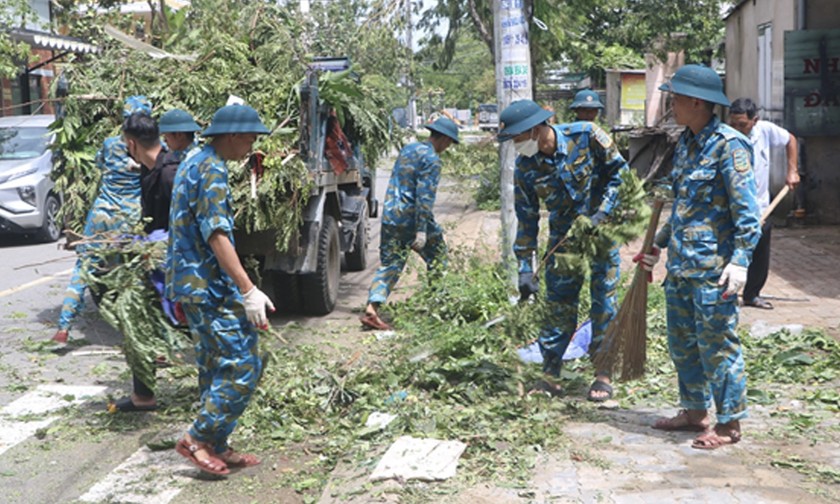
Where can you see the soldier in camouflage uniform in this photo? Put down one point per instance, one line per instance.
(115, 210)
(586, 105)
(178, 129)
(223, 307)
(576, 170)
(407, 219)
(713, 228)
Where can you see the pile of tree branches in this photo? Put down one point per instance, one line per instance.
(248, 49)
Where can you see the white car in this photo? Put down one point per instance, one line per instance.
(28, 204)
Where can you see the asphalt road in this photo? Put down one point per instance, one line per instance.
(37, 382)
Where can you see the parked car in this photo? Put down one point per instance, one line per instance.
(28, 204)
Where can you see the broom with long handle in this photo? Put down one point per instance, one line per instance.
(624, 346)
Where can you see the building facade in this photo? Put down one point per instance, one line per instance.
(756, 52)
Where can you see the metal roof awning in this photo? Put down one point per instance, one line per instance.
(139, 45)
(51, 41)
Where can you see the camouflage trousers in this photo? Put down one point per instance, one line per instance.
(100, 223)
(394, 248)
(563, 284)
(705, 347)
(229, 368)
(74, 297)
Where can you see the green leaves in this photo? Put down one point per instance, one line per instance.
(120, 272)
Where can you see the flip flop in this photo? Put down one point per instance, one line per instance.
(760, 303)
(187, 450)
(245, 459)
(674, 424)
(374, 322)
(599, 386)
(713, 439)
(126, 405)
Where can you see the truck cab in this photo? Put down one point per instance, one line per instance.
(488, 117)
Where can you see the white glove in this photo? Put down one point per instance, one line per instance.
(255, 303)
(734, 277)
(648, 260)
(419, 241)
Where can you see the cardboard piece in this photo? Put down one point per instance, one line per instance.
(419, 459)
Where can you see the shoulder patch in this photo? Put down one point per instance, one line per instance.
(603, 138)
(741, 160)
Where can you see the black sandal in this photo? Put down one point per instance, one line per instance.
(599, 386)
(126, 405)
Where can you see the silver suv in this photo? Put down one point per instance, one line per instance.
(28, 204)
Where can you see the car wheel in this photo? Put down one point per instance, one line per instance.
(50, 231)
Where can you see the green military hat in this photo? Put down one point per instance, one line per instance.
(520, 116)
(178, 121)
(235, 119)
(697, 81)
(586, 99)
(446, 127)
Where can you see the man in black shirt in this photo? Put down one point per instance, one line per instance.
(142, 139)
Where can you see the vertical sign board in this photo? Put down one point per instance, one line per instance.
(812, 82)
(633, 91)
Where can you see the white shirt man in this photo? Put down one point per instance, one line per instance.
(764, 135)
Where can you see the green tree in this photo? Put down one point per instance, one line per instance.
(14, 55)
(468, 80)
(591, 35)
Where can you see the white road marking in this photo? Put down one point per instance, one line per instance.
(146, 477)
(33, 283)
(44, 399)
(12, 433)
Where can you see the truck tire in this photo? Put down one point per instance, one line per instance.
(319, 290)
(357, 259)
(286, 292)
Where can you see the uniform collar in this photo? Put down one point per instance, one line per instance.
(560, 151)
(703, 136)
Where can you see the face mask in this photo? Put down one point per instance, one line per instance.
(527, 148)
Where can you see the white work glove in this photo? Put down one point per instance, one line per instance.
(255, 303)
(419, 241)
(734, 277)
(648, 261)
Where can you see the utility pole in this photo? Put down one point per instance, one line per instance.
(513, 82)
(411, 109)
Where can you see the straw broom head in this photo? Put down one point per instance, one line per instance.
(624, 347)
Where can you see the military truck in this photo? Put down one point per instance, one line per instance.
(305, 279)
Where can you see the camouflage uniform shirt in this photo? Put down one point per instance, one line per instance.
(201, 205)
(567, 181)
(714, 220)
(412, 188)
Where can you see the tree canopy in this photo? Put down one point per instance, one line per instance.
(589, 35)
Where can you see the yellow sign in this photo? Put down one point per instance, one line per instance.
(633, 92)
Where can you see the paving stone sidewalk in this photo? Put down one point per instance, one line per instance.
(623, 460)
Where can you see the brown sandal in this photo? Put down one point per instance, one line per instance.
(244, 459)
(681, 422)
(372, 321)
(210, 465)
(714, 439)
